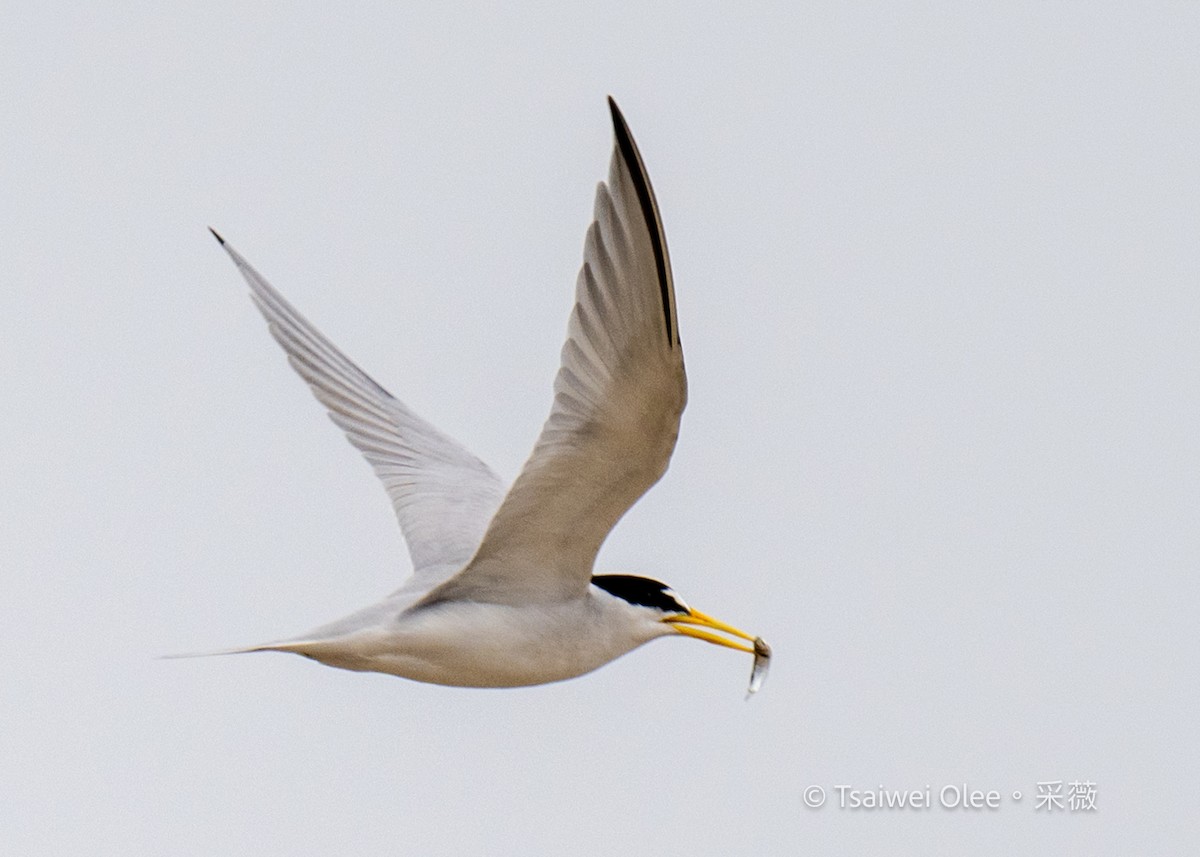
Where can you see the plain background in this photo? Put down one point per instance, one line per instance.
(937, 276)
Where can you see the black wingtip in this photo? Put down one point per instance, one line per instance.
(220, 240)
(618, 118)
(641, 184)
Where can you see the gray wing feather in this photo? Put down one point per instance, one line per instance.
(443, 495)
(618, 397)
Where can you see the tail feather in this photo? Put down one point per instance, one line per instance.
(298, 647)
(240, 651)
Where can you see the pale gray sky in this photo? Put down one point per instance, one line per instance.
(937, 275)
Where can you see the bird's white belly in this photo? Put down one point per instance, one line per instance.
(482, 645)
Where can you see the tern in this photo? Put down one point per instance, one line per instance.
(502, 592)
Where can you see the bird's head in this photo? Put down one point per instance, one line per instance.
(667, 608)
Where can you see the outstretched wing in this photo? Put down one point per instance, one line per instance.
(618, 398)
(443, 496)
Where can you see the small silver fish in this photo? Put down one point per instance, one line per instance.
(762, 662)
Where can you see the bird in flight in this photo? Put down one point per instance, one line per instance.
(502, 592)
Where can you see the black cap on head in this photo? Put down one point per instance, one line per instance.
(641, 591)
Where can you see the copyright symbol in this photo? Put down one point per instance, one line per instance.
(814, 796)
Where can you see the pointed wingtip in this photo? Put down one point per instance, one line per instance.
(216, 235)
(624, 136)
(617, 117)
(637, 170)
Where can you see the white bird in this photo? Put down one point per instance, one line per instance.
(502, 592)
